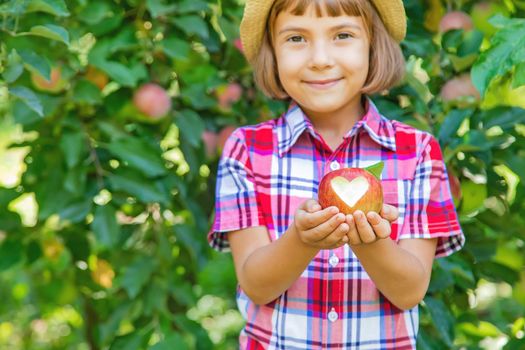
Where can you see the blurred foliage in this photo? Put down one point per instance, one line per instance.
(106, 198)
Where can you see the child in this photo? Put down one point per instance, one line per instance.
(313, 278)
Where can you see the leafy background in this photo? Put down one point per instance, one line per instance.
(105, 205)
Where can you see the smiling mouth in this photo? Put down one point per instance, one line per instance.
(322, 84)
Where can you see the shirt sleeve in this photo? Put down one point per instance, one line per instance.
(430, 211)
(236, 205)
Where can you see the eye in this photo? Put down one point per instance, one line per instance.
(295, 39)
(344, 36)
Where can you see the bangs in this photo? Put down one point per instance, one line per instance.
(332, 8)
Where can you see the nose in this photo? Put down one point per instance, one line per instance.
(321, 56)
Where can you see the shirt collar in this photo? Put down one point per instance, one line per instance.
(378, 127)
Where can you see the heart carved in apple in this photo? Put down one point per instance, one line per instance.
(351, 189)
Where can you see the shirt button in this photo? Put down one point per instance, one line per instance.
(332, 315)
(334, 165)
(333, 261)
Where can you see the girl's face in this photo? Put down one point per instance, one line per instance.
(322, 61)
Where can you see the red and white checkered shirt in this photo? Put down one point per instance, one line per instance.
(267, 170)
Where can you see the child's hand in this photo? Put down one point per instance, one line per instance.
(321, 228)
(371, 227)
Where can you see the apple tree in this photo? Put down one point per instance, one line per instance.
(112, 118)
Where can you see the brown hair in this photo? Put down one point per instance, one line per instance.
(386, 66)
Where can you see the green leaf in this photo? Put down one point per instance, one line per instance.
(129, 341)
(76, 211)
(36, 63)
(73, 145)
(443, 320)
(75, 181)
(7, 195)
(376, 169)
(516, 163)
(158, 8)
(507, 50)
(138, 154)
(155, 296)
(187, 6)
(118, 72)
(471, 43)
(192, 25)
(54, 7)
(497, 272)
(109, 327)
(87, 92)
(14, 67)
(482, 329)
(519, 75)
(50, 31)
(142, 188)
(14, 7)
(191, 126)
(170, 342)
(105, 226)
(11, 253)
(96, 11)
(29, 98)
(176, 48)
(137, 275)
(451, 124)
(504, 117)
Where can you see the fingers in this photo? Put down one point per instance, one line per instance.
(308, 220)
(366, 233)
(353, 235)
(367, 228)
(311, 206)
(328, 227)
(389, 212)
(380, 225)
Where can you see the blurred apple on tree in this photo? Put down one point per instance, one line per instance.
(55, 85)
(97, 77)
(228, 94)
(459, 87)
(209, 138)
(455, 20)
(152, 100)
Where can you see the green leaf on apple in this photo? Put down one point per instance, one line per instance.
(376, 169)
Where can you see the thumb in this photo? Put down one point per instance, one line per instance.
(311, 206)
(389, 212)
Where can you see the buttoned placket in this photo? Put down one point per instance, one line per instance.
(332, 164)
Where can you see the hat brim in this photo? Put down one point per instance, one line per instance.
(253, 24)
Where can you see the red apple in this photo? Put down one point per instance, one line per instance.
(455, 20)
(459, 87)
(54, 85)
(238, 44)
(223, 136)
(97, 77)
(228, 94)
(152, 100)
(210, 142)
(351, 189)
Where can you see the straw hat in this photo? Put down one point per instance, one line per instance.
(256, 14)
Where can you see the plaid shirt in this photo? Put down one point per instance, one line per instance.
(268, 169)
